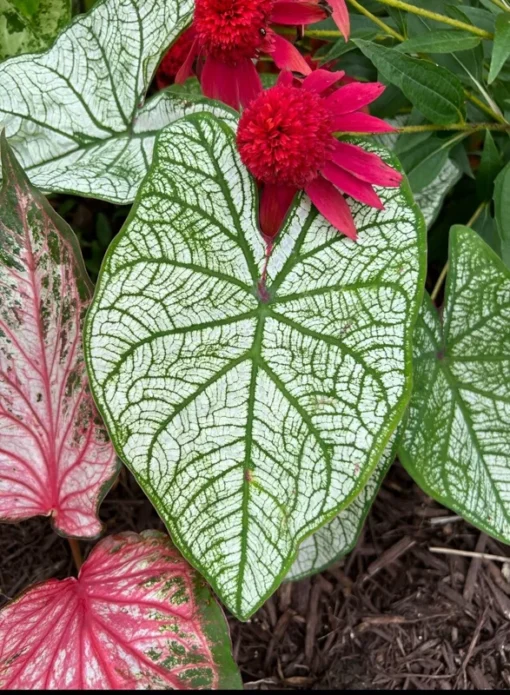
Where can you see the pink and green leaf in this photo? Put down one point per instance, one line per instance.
(55, 456)
(137, 617)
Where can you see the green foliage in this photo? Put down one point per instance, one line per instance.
(30, 25)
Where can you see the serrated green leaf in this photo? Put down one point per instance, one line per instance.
(502, 211)
(490, 165)
(435, 91)
(337, 538)
(501, 50)
(440, 42)
(27, 28)
(424, 163)
(250, 419)
(456, 442)
(75, 115)
(430, 199)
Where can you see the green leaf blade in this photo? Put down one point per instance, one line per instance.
(25, 29)
(456, 441)
(435, 91)
(501, 50)
(249, 423)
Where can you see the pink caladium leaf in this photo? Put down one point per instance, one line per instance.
(137, 617)
(55, 456)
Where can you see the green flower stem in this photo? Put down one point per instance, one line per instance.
(399, 5)
(501, 5)
(376, 20)
(444, 272)
(466, 127)
(483, 107)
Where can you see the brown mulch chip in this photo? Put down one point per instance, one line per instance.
(391, 615)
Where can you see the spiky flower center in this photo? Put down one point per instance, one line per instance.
(284, 136)
(232, 30)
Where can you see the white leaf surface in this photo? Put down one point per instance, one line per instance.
(250, 419)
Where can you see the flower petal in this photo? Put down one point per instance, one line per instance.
(297, 12)
(360, 123)
(365, 165)
(287, 57)
(320, 80)
(248, 82)
(341, 17)
(348, 183)
(275, 201)
(354, 97)
(186, 68)
(235, 85)
(285, 79)
(330, 202)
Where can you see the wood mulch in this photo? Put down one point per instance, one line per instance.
(392, 615)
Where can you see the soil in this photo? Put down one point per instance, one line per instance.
(391, 615)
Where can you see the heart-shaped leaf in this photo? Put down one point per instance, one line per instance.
(55, 457)
(30, 26)
(456, 443)
(338, 537)
(75, 115)
(250, 412)
(137, 618)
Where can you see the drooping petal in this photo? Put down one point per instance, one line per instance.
(330, 202)
(348, 183)
(320, 80)
(285, 79)
(248, 82)
(235, 85)
(186, 68)
(297, 12)
(365, 165)
(354, 97)
(275, 201)
(360, 123)
(341, 17)
(287, 57)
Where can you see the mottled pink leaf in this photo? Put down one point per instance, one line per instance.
(138, 616)
(55, 457)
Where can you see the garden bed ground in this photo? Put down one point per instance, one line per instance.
(392, 615)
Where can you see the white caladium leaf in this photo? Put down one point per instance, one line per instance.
(138, 617)
(251, 412)
(30, 25)
(339, 536)
(75, 115)
(55, 457)
(456, 442)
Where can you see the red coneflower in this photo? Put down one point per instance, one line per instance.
(173, 59)
(285, 139)
(230, 34)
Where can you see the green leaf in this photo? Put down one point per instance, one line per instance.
(502, 211)
(436, 92)
(456, 442)
(430, 199)
(337, 538)
(501, 50)
(490, 165)
(424, 163)
(440, 42)
(75, 115)
(30, 27)
(250, 417)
